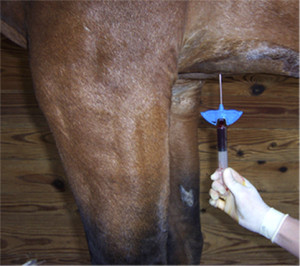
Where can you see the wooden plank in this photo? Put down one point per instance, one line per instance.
(19, 104)
(243, 85)
(48, 257)
(225, 242)
(268, 101)
(15, 80)
(15, 70)
(13, 122)
(251, 144)
(33, 176)
(32, 203)
(43, 224)
(266, 177)
(28, 144)
(258, 112)
(232, 244)
(53, 239)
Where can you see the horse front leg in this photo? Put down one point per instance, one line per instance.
(185, 238)
(103, 74)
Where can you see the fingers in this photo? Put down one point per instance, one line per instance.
(216, 175)
(213, 194)
(233, 180)
(237, 177)
(217, 195)
(217, 186)
(219, 203)
(220, 196)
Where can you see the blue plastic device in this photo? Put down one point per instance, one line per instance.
(230, 116)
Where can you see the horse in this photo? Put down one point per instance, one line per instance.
(119, 84)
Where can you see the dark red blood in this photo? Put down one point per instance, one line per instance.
(222, 135)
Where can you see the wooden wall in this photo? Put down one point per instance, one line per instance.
(39, 219)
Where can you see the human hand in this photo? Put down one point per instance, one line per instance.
(237, 197)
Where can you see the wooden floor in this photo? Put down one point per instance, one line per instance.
(39, 219)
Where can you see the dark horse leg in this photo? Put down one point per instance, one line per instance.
(103, 73)
(185, 238)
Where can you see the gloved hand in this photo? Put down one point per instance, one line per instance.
(237, 197)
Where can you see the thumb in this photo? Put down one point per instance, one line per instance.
(232, 180)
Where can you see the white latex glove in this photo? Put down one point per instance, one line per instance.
(240, 199)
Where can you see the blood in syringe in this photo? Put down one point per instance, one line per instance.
(222, 134)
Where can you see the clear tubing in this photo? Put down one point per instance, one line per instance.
(222, 144)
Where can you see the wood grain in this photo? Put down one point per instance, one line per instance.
(40, 220)
(276, 106)
(251, 144)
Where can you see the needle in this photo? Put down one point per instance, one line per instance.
(222, 118)
(221, 92)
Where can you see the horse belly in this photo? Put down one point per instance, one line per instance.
(241, 37)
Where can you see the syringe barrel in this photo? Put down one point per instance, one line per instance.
(223, 159)
(222, 135)
(222, 144)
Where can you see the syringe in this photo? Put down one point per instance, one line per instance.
(222, 143)
(222, 135)
(222, 118)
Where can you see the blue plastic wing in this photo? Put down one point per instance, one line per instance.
(212, 116)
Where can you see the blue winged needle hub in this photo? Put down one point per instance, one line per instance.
(212, 116)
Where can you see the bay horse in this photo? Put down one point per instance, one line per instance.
(119, 84)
